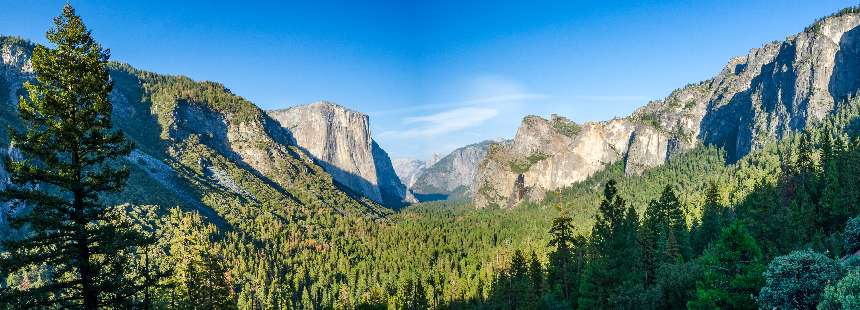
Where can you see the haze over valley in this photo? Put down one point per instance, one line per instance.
(555, 156)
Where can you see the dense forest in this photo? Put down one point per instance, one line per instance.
(779, 228)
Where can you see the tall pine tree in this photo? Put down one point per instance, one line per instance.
(566, 262)
(732, 272)
(612, 278)
(69, 159)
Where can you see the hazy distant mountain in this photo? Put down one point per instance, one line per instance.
(779, 88)
(445, 177)
(408, 169)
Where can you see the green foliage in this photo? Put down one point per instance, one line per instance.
(844, 294)
(612, 278)
(566, 262)
(712, 220)
(732, 272)
(851, 236)
(70, 151)
(521, 166)
(797, 280)
(565, 126)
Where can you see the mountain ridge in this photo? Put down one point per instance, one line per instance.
(774, 90)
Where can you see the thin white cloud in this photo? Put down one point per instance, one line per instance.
(608, 98)
(505, 98)
(442, 123)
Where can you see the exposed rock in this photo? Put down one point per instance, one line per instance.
(450, 176)
(408, 170)
(776, 89)
(542, 158)
(198, 145)
(340, 140)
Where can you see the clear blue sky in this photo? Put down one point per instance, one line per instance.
(434, 75)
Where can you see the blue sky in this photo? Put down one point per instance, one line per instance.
(435, 75)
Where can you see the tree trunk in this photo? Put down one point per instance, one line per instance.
(89, 291)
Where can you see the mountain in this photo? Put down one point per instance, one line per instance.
(775, 90)
(340, 141)
(450, 176)
(198, 146)
(408, 169)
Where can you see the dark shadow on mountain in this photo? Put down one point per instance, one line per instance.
(845, 80)
(732, 125)
(430, 197)
(132, 113)
(390, 187)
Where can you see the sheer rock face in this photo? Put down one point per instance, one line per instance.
(15, 68)
(774, 90)
(408, 169)
(340, 140)
(542, 158)
(452, 174)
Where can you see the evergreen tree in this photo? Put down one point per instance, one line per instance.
(712, 220)
(566, 261)
(612, 278)
(732, 272)
(520, 288)
(664, 234)
(70, 153)
(536, 276)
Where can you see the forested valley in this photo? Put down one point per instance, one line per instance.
(776, 229)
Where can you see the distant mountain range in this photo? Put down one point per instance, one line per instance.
(448, 177)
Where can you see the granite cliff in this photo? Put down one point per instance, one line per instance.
(779, 88)
(199, 146)
(339, 139)
(449, 177)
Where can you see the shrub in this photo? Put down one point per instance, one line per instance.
(851, 236)
(845, 294)
(796, 280)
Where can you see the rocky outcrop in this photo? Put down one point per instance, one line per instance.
(408, 169)
(198, 146)
(551, 153)
(774, 90)
(340, 140)
(15, 68)
(450, 176)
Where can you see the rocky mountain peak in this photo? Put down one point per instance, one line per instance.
(776, 89)
(340, 140)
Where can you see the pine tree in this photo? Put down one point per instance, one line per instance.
(536, 275)
(664, 234)
(712, 220)
(70, 158)
(732, 272)
(612, 278)
(566, 261)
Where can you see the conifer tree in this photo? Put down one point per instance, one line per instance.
(566, 261)
(612, 278)
(536, 275)
(70, 155)
(712, 220)
(732, 272)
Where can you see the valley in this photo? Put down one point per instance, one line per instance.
(751, 172)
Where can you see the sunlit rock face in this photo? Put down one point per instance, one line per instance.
(448, 177)
(340, 140)
(777, 89)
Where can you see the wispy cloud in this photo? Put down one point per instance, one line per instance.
(505, 98)
(608, 98)
(443, 122)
